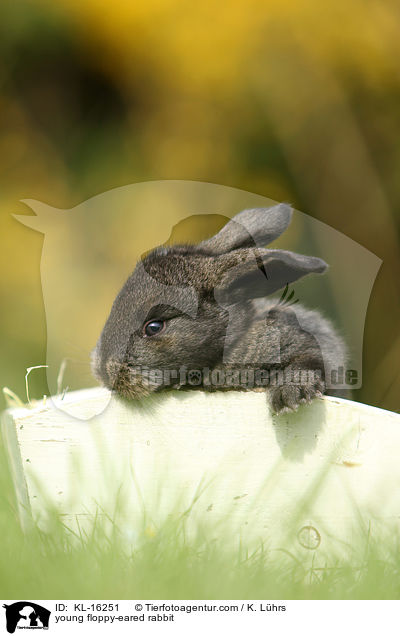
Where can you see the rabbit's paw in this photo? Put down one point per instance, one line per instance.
(288, 397)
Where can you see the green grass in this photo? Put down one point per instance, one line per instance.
(60, 564)
(170, 562)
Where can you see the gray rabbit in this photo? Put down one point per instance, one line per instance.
(197, 317)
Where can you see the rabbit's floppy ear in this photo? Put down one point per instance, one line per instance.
(260, 272)
(258, 226)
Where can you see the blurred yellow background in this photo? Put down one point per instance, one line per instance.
(295, 100)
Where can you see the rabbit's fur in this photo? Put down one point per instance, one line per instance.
(211, 299)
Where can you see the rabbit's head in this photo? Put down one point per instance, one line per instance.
(174, 309)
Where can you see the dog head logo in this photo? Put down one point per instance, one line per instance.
(90, 250)
(26, 615)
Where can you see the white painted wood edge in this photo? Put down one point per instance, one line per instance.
(159, 451)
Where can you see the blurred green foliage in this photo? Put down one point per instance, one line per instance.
(292, 99)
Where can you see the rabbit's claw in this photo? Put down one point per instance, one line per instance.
(289, 397)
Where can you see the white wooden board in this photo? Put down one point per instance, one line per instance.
(307, 480)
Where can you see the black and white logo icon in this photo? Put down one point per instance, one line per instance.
(26, 615)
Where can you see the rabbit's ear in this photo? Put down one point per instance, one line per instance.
(260, 272)
(255, 227)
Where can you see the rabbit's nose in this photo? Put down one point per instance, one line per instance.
(113, 369)
(120, 377)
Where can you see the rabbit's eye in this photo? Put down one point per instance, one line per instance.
(153, 327)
